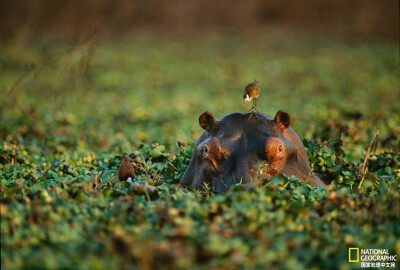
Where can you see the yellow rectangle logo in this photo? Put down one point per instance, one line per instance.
(358, 255)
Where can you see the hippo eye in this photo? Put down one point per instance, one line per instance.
(280, 148)
(205, 151)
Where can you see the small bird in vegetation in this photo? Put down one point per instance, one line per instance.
(251, 92)
(126, 170)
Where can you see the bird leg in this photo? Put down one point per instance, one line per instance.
(253, 110)
(255, 105)
(253, 113)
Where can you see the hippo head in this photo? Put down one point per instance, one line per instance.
(242, 147)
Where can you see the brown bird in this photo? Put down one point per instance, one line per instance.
(251, 92)
(126, 169)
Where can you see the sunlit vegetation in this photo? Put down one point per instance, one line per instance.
(70, 112)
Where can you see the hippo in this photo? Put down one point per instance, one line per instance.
(244, 147)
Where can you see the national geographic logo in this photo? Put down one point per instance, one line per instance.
(353, 251)
(372, 258)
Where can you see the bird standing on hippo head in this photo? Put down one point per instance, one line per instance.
(252, 92)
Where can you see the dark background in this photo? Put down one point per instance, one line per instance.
(355, 18)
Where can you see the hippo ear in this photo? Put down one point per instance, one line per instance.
(282, 119)
(207, 121)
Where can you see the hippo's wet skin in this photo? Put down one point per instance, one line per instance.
(236, 147)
